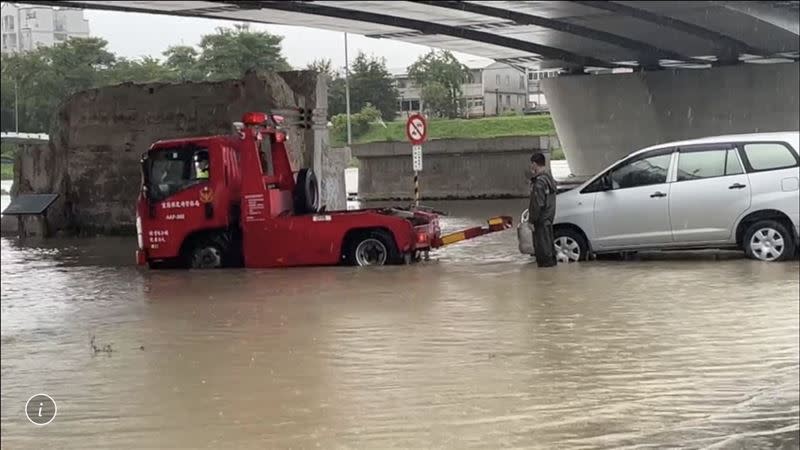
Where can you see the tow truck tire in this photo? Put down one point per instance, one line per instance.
(306, 200)
(372, 248)
(209, 253)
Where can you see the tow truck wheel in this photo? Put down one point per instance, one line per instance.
(207, 254)
(374, 248)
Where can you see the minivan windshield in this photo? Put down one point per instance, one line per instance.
(169, 171)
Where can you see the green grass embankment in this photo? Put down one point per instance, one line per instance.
(491, 127)
(8, 171)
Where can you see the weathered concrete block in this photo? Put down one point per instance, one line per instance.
(100, 135)
(39, 169)
(104, 131)
(9, 226)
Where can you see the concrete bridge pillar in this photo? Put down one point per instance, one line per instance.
(601, 118)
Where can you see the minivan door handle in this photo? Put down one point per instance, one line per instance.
(737, 186)
(657, 194)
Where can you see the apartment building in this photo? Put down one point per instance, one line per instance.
(26, 27)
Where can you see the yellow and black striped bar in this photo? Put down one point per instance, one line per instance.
(495, 224)
(416, 188)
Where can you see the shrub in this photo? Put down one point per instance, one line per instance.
(359, 122)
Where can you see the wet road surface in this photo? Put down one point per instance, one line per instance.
(475, 349)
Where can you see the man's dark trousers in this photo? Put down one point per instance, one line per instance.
(543, 242)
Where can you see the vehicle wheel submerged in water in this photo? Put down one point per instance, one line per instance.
(374, 248)
(769, 241)
(570, 246)
(209, 253)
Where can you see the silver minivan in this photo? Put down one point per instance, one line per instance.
(736, 191)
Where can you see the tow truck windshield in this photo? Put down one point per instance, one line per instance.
(168, 171)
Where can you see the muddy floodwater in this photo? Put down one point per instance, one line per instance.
(476, 348)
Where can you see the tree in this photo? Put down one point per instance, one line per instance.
(323, 65)
(359, 122)
(337, 96)
(337, 102)
(371, 82)
(231, 52)
(48, 75)
(146, 70)
(7, 123)
(442, 68)
(78, 62)
(182, 61)
(437, 99)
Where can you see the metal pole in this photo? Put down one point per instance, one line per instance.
(347, 91)
(16, 105)
(527, 89)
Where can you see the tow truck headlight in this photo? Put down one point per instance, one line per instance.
(139, 237)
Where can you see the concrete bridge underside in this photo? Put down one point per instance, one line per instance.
(700, 67)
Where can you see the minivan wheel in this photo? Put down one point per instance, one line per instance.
(570, 246)
(769, 241)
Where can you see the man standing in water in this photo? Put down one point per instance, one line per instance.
(542, 211)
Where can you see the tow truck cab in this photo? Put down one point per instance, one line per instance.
(176, 204)
(247, 207)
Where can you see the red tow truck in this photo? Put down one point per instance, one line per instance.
(234, 200)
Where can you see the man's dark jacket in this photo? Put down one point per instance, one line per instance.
(542, 206)
(542, 213)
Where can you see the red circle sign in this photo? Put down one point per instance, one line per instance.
(416, 129)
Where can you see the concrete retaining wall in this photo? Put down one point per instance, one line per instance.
(601, 118)
(452, 168)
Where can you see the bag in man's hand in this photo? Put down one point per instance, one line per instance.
(525, 238)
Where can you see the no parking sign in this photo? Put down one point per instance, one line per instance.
(417, 132)
(416, 129)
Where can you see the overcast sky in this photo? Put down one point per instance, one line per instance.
(134, 35)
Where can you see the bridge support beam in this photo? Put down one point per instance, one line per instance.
(601, 118)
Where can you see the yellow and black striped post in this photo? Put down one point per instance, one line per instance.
(416, 188)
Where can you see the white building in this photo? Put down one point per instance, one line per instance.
(492, 89)
(25, 27)
(504, 89)
(536, 98)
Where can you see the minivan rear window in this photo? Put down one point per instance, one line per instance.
(769, 156)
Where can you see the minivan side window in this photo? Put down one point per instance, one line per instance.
(733, 166)
(696, 164)
(642, 172)
(701, 164)
(769, 156)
